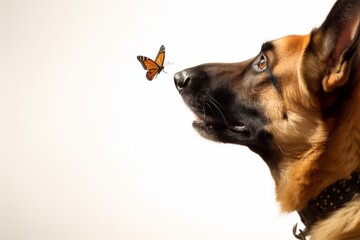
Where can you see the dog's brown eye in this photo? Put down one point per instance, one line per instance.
(261, 65)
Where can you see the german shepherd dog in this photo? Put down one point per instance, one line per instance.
(297, 105)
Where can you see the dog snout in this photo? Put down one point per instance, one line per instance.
(181, 79)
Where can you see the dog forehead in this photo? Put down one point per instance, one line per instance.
(290, 45)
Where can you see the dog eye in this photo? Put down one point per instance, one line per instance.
(261, 63)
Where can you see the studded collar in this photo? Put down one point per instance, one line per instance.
(329, 200)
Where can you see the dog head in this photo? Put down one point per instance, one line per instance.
(285, 103)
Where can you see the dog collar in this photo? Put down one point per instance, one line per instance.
(329, 200)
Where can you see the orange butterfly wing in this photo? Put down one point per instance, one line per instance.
(153, 67)
(160, 57)
(151, 73)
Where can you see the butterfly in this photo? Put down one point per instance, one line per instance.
(153, 67)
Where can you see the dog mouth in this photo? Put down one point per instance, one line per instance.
(217, 125)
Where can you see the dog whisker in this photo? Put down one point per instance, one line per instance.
(204, 111)
(218, 107)
(209, 106)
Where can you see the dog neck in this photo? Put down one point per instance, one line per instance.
(331, 199)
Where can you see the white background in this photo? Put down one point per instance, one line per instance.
(89, 149)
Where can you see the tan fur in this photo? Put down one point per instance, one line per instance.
(308, 176)
(303, 125)
(310, 167)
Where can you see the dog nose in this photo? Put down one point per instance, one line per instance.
(181, 80)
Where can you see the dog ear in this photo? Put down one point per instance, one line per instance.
(331, 48)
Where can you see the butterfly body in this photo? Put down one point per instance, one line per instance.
(153, 67)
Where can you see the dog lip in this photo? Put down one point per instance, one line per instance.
(208, 125)
(212, 125)
(238, 128)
